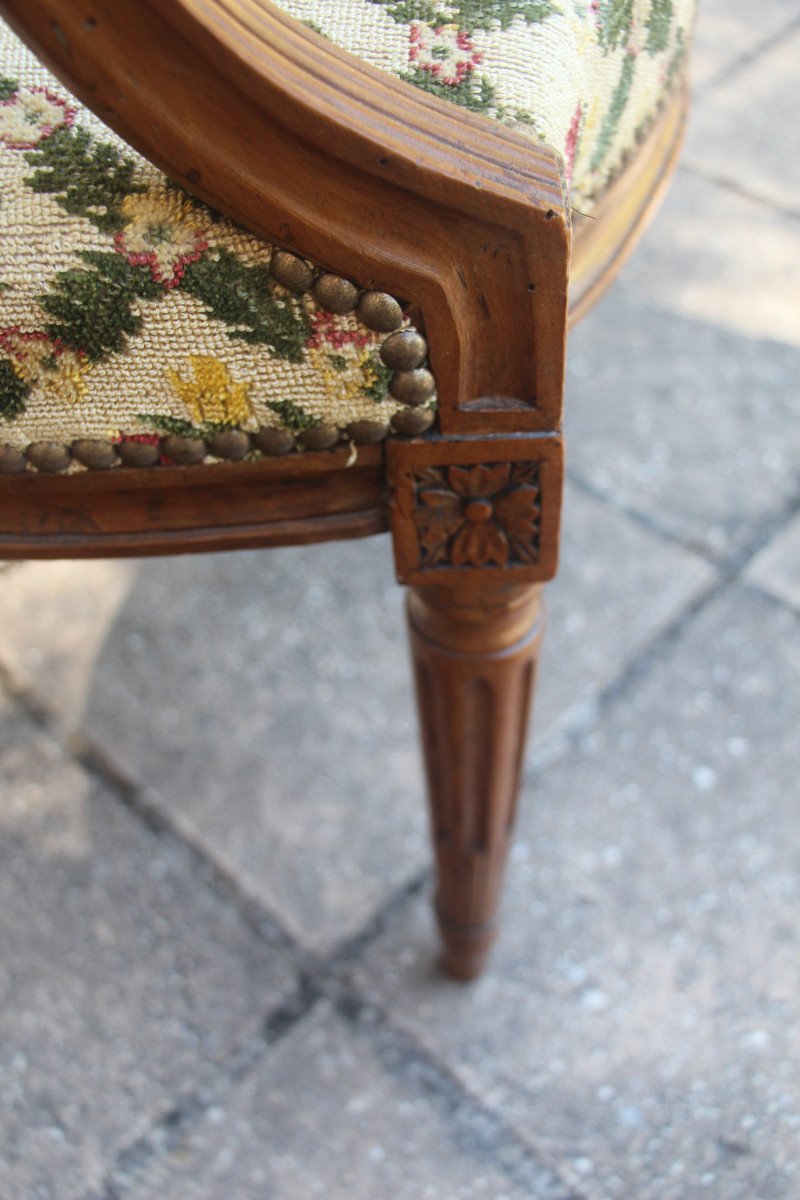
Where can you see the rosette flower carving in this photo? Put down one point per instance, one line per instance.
(478, 516)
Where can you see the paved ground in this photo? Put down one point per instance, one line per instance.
(216, 972)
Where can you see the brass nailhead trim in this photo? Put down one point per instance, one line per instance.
(367, 433)
(412, 387)
(273, 441)
(98, 456)
(232, 444)
(404, 350)
(335, 294)
(138, 454)
(12, 461)
(380, 311)
(183, 450)
(319, 437)
(48, 456)
(413, 421)
(292, 272)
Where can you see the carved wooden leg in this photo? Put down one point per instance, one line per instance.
(474, 662)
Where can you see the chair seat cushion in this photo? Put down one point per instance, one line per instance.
(137, 326)
(586, 77)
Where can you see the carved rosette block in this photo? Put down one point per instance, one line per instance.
(474, 663)
(486, 504)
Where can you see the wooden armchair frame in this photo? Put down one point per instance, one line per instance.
(467, 222)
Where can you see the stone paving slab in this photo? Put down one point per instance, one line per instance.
(728, 33)
(682, 386)
(742, 132)
(265, 702)
(342, 1111)
(124, 981)
(777, 568)
(600, 617)
(640, 1023)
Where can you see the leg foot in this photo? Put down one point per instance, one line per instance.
(474, 663)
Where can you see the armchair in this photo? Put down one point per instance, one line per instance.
(372, 335)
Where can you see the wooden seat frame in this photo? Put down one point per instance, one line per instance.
(463, 219)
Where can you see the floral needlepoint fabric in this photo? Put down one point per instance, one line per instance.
(131, 312)
(585, 76)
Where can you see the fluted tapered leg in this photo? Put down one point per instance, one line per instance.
(474, 663)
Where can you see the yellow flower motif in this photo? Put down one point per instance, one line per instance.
(44, 363)
(163, 232)
(347, 373)
(213, 396)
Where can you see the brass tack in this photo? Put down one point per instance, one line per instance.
(404, 350)
(319, 437)
(367, 433)
(96, 455)
(232, 444)
(380, 311)
(12, 460)
(138, 454)
(293, 272)
(335, 294)
(184, 450)
(412, 387)
(48, 456)
(412, 421)
(274, 441)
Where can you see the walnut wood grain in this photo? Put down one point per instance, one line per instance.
(474, 661)
(172, 510)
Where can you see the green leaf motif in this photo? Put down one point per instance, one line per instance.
(94, 307)
(244, 299)
(378, 389)
(87, 178)
(474, 91)
(8, 87)
(167, 424)
(615, 110)
(164, 423)
(676, 60)
(469, 15)
(658, 26)
(615, 19)
(406, 11)
(483, 14)
(292, 415)
(13, 392)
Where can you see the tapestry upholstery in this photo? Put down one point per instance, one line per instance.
(139, 326)
(586, 77)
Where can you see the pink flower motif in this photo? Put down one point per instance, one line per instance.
(31, 115)
(333, 333)
(571, 143)
(446, 52)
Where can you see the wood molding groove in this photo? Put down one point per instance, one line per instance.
(474, 662)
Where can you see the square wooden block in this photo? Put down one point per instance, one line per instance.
(488, 504)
